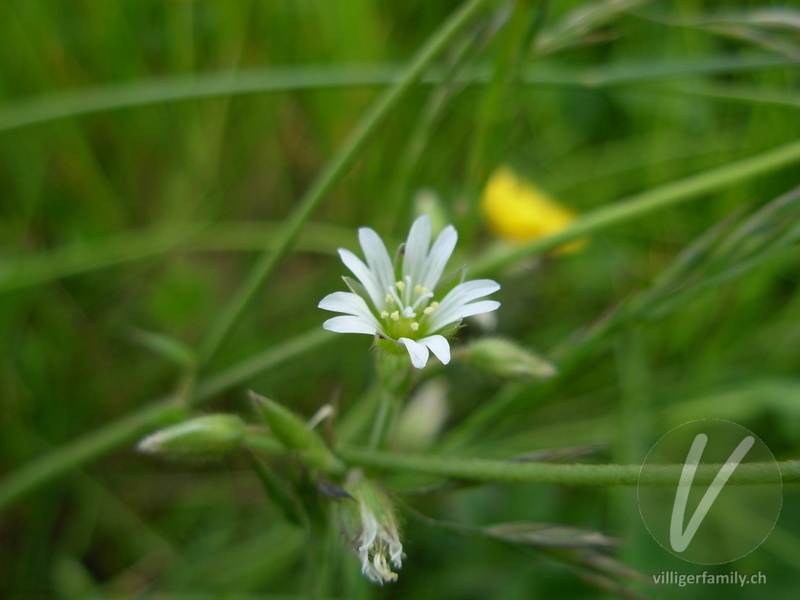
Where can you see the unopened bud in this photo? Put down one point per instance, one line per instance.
(504, 359)
(209, 435)
(294, 433)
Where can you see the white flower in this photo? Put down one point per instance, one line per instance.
(378, 545)
(404, 304)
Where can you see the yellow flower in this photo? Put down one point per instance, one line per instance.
(518, 211)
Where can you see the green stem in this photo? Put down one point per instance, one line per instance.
(387, 407)
(333, 171)
(395, 380)
(64, 459)
(477, 469)
(635, 206)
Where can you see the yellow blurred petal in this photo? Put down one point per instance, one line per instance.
(518, 211)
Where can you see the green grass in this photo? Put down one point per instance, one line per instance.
(189, 169)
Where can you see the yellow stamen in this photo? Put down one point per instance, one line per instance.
(395, 316)
(401, 285)
(418, 289)
(428, 310)
(414, 325)
(434, 305)
(389, 299)
(384, 314)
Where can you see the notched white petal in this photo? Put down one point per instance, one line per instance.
(439, 346)
(417, 352)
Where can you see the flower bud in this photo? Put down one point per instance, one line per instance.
(209, 435)
(501, 358)
(295, 434)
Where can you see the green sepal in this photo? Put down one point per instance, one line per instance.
(357, 288)
(293, 432)
(386, 344)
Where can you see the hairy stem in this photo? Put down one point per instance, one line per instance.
(477, 469)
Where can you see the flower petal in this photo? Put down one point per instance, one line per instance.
(451, 305)
(439, 346)
(419, 238)
(344, 302)
(477, 308)
(349, 324)
(471, 290)
(365, 276)
(440, 253)
(349, 304)
(418, 352)
(377, 257)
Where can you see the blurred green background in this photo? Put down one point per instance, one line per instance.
(150, 149)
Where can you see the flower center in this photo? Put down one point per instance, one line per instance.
(407, 309)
